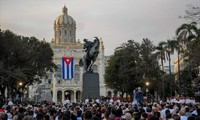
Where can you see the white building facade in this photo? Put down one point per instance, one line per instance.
(65, 44)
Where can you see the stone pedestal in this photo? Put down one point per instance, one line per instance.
(90, 86)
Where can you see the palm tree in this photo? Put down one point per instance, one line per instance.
(179, 49)
(187, 33)
(170, 48)
(161, 55)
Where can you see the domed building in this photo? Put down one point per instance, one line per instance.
(64, 29)
(65, 44)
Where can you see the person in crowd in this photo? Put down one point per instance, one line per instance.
(97, 100)
(88, 115)
(111, 100)
(28, 118)
(79, 115)
(67, 101)
(139, 96)
(176, 117)
(102, 110)
(86, 100)
(3, 116)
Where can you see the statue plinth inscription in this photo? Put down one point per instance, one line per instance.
(90, 85)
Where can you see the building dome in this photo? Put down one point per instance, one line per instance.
(65, 28)
(64, 18)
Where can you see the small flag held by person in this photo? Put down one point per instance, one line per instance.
(67, 68)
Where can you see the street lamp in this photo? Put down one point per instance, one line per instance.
(20, 84)
(147, 84)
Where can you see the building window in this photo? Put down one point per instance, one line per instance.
(109, 94)
(77, 78)
(60, 33)
(77, 68)
(70, 33)
(65, 33)
(58, 72)
(49, 81)
(58, 82)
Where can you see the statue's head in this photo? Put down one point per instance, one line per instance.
(96, 40)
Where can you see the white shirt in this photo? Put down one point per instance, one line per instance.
(10, 103)
(187, 101)
(66, 101)
(86, 101)
(163, 115)
(182, 101)
(183, 117)
(118, 101)
(97, 100)
(111, 100)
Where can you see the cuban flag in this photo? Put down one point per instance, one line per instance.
(67, 68)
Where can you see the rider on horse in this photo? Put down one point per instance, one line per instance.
(92, 51)
(88, 45)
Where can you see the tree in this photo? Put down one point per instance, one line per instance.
(9, 49)
(130, 65)
(194, 58)
(194, 55)
(170, 48)
(179, 49)
(111, 74)
(169, 83)
(150, 67)
(186, 88)
(186, 34)
(188, 42)
(161, 55)
(192, 13)
(150, 64)
(23, 59)
(122, 73)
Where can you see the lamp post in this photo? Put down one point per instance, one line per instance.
(20, 91)
(147, 90)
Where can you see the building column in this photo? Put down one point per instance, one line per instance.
(63, 96)
(55, 95)
(75, 96)
(54, 89)
(81, 83)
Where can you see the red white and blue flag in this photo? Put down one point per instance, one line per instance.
(67, 68)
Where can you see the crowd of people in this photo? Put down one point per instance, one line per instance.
(97, 110)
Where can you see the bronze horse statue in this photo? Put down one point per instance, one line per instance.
(92, 51)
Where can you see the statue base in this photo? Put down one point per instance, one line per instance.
(90, 85)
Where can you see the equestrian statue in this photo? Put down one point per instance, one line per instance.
(92, 51)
